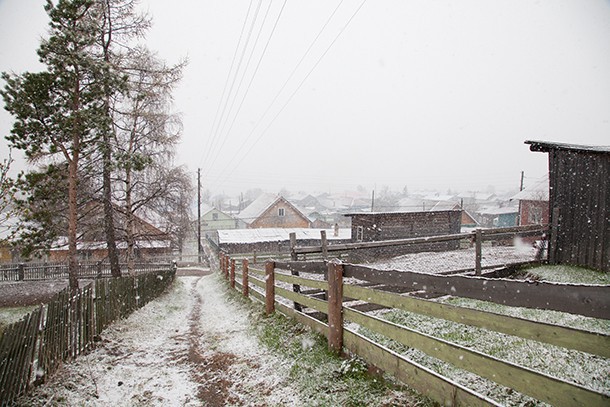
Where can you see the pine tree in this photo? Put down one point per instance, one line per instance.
(60, 112)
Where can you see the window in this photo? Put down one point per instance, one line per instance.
(214, 216)
(281, 212)
(359, 233)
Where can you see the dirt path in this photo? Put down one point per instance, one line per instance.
(191, 347)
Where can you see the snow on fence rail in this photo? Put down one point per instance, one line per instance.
(34, 348)
(57, 270)
(334, 286)
(474, 252)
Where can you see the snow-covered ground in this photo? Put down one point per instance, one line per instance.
(190, 347)
(438, 262)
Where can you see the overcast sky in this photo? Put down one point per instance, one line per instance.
(423, 94)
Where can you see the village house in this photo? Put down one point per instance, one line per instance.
(579, 204)
(213, 219)
(534, 203)
(150, 240)
(273, 211)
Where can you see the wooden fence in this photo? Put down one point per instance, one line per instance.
(328, 296)
(34, 348)
(481, 241)
(56, 270)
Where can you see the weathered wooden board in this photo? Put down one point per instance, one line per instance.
(322, 285)
(570, 338)
(592, 301)
(313, 267)
(523, 380)
(441, 389)
(314, 303)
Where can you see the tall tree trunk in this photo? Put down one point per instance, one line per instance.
(72, 224)
(129, 235)
(113, 256)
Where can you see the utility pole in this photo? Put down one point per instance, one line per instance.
(199, 214)
(521, 185)
(373, 201)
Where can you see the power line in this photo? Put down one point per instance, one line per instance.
(260, 120)
(215, 134)
(260, 59)
(294, 92)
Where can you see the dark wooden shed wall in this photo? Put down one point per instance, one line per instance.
(580, 208)
(402, 225)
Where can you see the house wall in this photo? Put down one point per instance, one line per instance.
(373, 227)
(534, 212)
(579, 198)
(223, 221)
(271, 217)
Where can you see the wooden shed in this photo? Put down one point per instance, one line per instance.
(579, 202)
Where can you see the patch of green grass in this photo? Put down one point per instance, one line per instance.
(567, 274)
(322, 377)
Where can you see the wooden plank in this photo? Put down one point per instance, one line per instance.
(335, 305)
(313, 303)
(592, 301)
(269, 287)
(312, 267)
(427, 382)
(594, 343)
(257, 281)
(322, 285)
(521, 379)
(315, 324)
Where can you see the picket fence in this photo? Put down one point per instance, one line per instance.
(33, 349)
(327, 292)
(55, 270)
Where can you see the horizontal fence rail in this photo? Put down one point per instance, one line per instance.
(59, 270)
(33, 349)
(321, 290)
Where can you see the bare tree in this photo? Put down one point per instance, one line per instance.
(145, 136)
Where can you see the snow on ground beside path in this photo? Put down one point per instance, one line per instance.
(134, 362)
(189, 347)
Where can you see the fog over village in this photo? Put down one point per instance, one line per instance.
(304, 203)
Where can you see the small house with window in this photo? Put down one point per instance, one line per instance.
(213, 219)
(273, 211)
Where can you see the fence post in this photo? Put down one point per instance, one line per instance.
(324, 244)
(254, 256)
(225, 266)
(335, 306)
(244, 278)
(232, 276)
(293, 256)
(269, 287)
(478, 255)
(21, 271)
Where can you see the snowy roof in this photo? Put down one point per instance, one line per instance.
(546, 146)
(278, 234)
(257, 207)
(499, 211)
(539, 191)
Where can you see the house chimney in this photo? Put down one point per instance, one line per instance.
(336, 234)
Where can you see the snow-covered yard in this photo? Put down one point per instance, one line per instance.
(191, 346)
